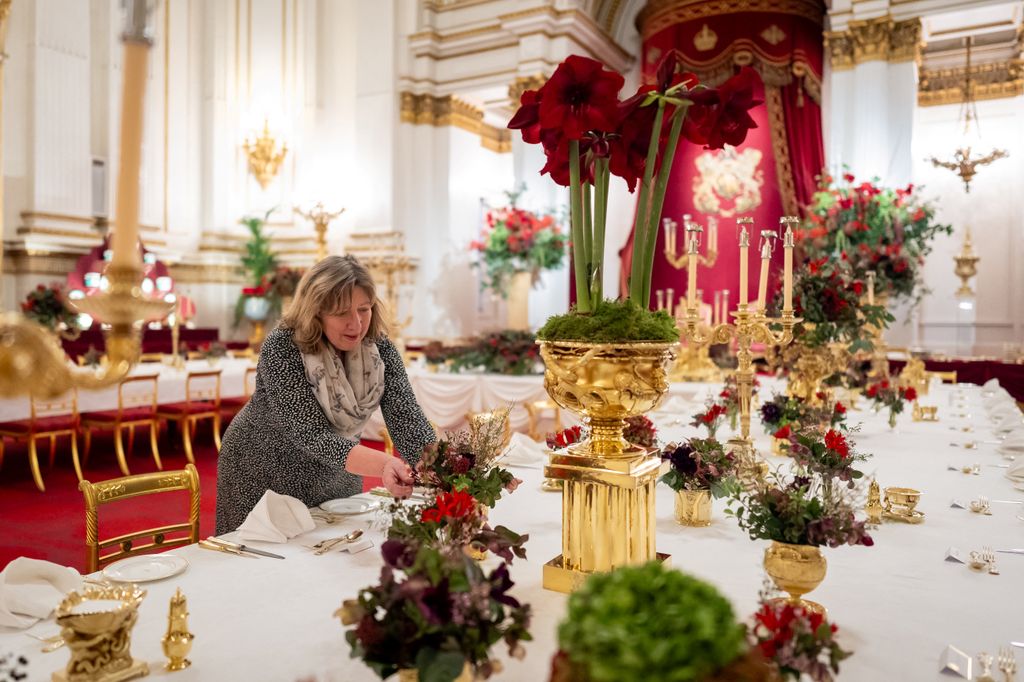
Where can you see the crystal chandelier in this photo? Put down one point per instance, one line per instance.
(965, 164)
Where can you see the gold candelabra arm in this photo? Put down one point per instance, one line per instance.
(719, 333)
(761, 329)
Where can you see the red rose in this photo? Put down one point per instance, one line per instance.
(848, 177)
(580, 96)
(837, 442)
(784, 432)
(820, 395)
(910, 394)
(720, 117)
(839, 408)
(872, 391)
(858, 287)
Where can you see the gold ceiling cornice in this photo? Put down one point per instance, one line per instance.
(447, 110)
(879, 39)
(523, 83)
(993, 80)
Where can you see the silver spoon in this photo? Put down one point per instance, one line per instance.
(328, 545)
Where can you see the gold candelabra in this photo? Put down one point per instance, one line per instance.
(32, 361)
(265, 157)
(321, 218)
(966, 266)
(749, 326)
(680, 260)
(879, 353)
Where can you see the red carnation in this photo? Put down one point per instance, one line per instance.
(839, 408)
(837, 442)
(784, 432)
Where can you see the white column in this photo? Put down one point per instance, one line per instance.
(902, 101)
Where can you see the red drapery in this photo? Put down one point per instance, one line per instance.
(773, 173)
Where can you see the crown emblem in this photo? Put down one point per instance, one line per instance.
(705, 39)
(773, 35)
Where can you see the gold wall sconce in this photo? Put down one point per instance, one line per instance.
(265, 157)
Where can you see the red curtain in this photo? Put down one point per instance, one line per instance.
(773, 173)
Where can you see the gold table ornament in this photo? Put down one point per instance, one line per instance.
(693, 507)
(796, 569)
(100, 641)
(608, 515)
(177, 642)
(900, 505)
(925, 413)
(750, 325)
(321, 219)
(966, 266)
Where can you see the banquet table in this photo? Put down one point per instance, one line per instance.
(897, 604)
(170, 386)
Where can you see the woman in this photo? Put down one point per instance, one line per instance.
(322, 372)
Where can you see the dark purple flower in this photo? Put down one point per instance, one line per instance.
(683, 460)
(398, 554)
(501, 583)
(771, 413)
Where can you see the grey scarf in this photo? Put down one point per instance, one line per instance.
(348, 385)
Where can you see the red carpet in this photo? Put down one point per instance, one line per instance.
(51, 525)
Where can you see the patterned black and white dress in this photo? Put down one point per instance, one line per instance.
(282, 440)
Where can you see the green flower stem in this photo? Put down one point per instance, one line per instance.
(643, 210)
(658, 201)
(588, 236)
(579, 256)
(600, 217)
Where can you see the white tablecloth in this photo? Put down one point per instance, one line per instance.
(170, 386)
(898, 604)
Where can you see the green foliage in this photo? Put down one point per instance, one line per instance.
(649, 622)
(258, 261)
(611, 322)
(505, 352)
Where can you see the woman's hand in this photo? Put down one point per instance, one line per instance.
(397, 477)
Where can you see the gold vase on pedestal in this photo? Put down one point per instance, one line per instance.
(413, 675)
(796, 569)
(519, 301)
(608, 517)
(809, 366)
(693, 507)
(694, 363)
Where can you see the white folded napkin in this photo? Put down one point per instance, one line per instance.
(991, 384)
(30, 589)
(1005, 410)
(276, 518)
(1016, 471)
(524, 451)
(1013, 443)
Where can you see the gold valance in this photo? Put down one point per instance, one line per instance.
(881, 39)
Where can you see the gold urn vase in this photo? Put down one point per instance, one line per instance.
(693, 507)
(809, 366)
(413, 675)
(608, 517)
(796, 569)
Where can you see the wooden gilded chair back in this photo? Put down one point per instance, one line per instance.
(66, 404)
(151, 357)
(203, 387)
(945, 377)
(135, 392)
(127, 487)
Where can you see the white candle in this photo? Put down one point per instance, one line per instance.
(744, 246)
(717, 312)
(712, 234)
(762, 284)
(787, 285)
(725, 305)
(691, 275)
(670, 301)
(669, 245)
(125, 241)
(871, 287)
(659, 296)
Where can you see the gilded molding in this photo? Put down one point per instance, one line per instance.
(523, 83)
(880, 39)
(994, 80)
(25, 262)
(447, 110)
(198, 273)
(780, 146)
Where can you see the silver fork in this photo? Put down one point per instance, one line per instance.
(990, 557)
(1007, 663)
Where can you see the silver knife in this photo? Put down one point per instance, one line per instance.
(1011, 551)
(243, 548)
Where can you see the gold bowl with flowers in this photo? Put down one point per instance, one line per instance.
(796, 569)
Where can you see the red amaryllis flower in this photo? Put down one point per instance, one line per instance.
(837, 442)
(784, 432)
(527, 119)
(719, 117)
(558, 162)
(580, 96)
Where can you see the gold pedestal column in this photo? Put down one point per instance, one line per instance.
(608, 494)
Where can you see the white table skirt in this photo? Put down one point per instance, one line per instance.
(898, 604)
(170, 386)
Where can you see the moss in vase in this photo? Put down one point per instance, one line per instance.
(611, 322)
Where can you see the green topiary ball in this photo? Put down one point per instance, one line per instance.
(649, 622)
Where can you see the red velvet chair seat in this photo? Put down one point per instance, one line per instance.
(234, 403)
(180, 409)
(129, 415)
(63, 422)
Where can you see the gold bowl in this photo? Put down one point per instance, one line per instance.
(605, 383)
(100, 640)
(903, 497)
(796, 569)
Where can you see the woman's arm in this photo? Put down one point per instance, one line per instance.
(409, 428)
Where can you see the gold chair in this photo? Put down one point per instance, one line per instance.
(946, 377)
(97, 494)
(243, 353)
(151, 357)
(535, 412)
(202, 401)
(136, 406)
(47, 419)
(231, 406)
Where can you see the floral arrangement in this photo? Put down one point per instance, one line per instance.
(886, 230)
(213, 349)
(516, 240)
(46, 305)
(828, 300)
(700, 464)
(453, 520)
(783, 414)
(884, 395)
(505, 352)
(258, 262)
(797, 640)
(730, 397)
(799, 511)
(435, 611)
(588, 134)
(712, 417)
(639, 431)
(283, 282)
(466, 462)
(829, 454)
(616, 624)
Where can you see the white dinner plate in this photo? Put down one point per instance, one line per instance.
(347, 505)
(144, 569)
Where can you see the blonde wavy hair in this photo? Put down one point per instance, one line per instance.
(325, 289)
